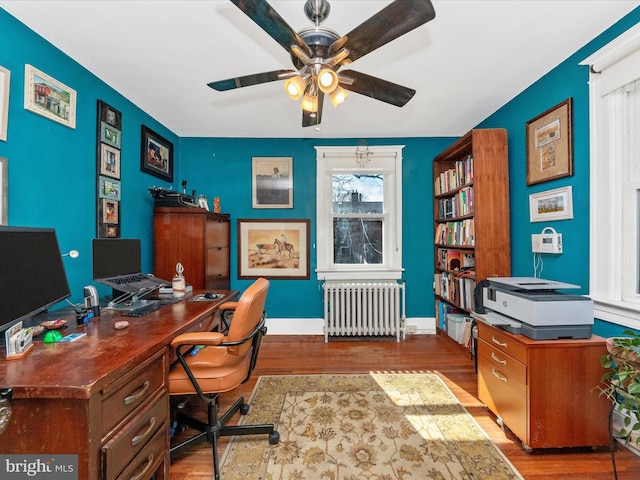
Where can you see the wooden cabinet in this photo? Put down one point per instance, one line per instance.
(471, 215)
(196, 238)
(543, 390)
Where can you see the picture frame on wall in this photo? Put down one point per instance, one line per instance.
(109, 161)
(110, 135)
(276, 249)
(5, 77)
(4, 193)
(46, 96)
(109, 188)
(156, 155)
(110, 211)
(550, 205)
(550, 144)
(272, 182)
(109, 115)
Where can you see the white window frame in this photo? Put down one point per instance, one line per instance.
(614, 187)
(344, 160)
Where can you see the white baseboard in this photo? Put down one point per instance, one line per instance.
(315, 326)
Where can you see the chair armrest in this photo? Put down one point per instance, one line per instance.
(228, 306)
(198, 338)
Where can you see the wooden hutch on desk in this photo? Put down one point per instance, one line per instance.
(105, 396)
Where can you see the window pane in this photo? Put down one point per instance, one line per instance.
(358, 193)
(357, 240)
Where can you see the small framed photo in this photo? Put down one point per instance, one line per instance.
(273, 249)
(48, 97)
(110, 211)
(156, 156)
(109, 115)
(5, 77)
(272, 182)
(109, 188)
(109, 161)
(110, 135)
(551, 205)
(550, 144)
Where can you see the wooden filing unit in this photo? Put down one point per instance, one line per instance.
(543, 390)
(103, 397)
(196, 238)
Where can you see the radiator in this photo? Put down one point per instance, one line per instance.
(373, 308)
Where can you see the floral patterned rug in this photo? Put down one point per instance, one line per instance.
(352, 427)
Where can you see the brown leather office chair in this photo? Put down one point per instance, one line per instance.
(225, 362)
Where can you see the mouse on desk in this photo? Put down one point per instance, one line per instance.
(211, 295)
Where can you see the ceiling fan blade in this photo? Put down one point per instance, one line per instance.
(377, 88)
(393, 21)
(310, 120)
(248, 80)
(272, 23)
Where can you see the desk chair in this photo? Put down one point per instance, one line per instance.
(225, 362)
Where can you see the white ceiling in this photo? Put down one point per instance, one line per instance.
(470, 60)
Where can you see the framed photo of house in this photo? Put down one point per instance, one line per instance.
(273, 249)
(156, 156)
(109, 188)
(272, 181)
(551, 205)
(5, 77)
(4, 194)
(109, 161)
(48, 97)
(550, 144)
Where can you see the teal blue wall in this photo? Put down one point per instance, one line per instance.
(52, 175)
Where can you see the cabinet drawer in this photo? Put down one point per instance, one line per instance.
(503, 342)
(217, 261)
(123, 396)
(118, 452)
(217, 233)
(146, 463)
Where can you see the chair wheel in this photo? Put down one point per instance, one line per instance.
(274, 438)
(244, 409)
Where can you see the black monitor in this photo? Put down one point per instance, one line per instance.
(32, 277)
(113, 257)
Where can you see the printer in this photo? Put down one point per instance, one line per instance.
(534, 307)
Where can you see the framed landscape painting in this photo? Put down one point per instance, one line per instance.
(48, 97)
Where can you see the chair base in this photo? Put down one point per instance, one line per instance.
(217, 427)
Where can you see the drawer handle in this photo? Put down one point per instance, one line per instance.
(143, 473)
(497, 342)
(499, 376)
(139, 438)
(132, 398)
(498, 359)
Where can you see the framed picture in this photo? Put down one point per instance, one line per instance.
(109, 115)
(110, 213)
(156, 156)
(109, 161)
(110, 135)
(109, 188)
(48, 97)
(272, 182)
(273, 249)
(551, 205)
(5, 77)
(550, 144)
(4, 194)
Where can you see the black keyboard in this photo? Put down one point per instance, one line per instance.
(152, 307)
(129, 279)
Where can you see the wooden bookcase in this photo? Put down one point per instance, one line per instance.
(471, 216)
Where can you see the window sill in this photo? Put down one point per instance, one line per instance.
(626, 315)
(369, 274)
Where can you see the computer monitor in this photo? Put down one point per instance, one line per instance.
(32, 278)
(114, 257)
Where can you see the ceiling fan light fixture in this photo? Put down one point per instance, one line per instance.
(327, 80)
(295, 87)
(309, 102)
(338, 96)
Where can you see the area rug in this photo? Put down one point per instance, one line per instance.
(352, 427)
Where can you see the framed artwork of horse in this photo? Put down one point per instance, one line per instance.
(273, 249)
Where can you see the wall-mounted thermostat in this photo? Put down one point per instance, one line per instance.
(547, 241)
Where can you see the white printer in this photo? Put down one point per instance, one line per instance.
(533, 307)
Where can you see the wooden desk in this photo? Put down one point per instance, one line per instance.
(103, 397)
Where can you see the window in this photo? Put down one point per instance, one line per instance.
(614, 89)
(359, 212)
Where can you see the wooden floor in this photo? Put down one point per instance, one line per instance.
(289, 355)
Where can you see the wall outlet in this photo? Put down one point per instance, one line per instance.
(411, 329)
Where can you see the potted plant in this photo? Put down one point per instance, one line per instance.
(621, 382)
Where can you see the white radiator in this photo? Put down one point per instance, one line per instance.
(373, 308)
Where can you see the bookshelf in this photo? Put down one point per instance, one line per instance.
(471, 218)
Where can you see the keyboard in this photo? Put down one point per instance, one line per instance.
(151, 307)
(129, 279)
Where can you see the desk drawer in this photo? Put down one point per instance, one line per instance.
(133, 436)
(122, 397)
(502, 341)
(146, 463)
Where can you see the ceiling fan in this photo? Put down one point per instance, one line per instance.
(318, 53)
